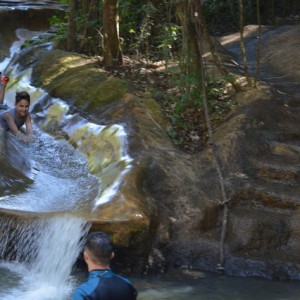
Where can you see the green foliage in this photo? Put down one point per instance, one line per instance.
(132, 16)
(151, 31)
(219, 13)
(185, 112)
(146, 27)
(26, 43)
(87, 33)
(214, 6)
(60, 25)
(167, 41)
(146, 30)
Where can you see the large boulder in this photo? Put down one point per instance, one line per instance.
(176, 214)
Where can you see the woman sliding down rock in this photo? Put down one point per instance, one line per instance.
(13, 119)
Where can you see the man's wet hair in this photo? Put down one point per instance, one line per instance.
(99, 246)
(22, 96)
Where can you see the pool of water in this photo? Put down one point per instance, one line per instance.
(14, 285)
(214, 287)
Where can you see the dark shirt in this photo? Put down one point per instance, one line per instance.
(105, 285)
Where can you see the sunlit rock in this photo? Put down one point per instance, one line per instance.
(167, 205)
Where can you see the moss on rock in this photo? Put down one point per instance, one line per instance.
(68, 76)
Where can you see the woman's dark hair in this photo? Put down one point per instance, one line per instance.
(22, 96)
(99, 245)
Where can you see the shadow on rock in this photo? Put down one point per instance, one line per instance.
(15, 168)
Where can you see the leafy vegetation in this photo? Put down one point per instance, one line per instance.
(163, 32)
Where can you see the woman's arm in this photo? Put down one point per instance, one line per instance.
(28, 124)
(14, 129)
(2, 92)
(3, 81)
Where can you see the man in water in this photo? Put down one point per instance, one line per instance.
(102, 282)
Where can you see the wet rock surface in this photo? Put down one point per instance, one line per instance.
(260, 163)
(180, 193)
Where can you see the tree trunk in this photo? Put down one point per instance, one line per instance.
(89, 34)
(112, 52)
(190, 61)
(203, 34)
(85, 4)
(258, 47)
(242, 44)
(200, 26)
(72, 35)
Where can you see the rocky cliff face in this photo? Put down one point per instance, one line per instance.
(179, 194)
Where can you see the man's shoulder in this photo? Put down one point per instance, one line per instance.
(79, 293)
(85, 289)
(123, 278)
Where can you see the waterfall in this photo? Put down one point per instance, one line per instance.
(39, 247)
(39, 254)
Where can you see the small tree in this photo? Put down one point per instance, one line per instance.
(111, 49)
(242, 44)
(72, 31)
(90, 12)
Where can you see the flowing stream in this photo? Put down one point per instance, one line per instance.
(37, 253)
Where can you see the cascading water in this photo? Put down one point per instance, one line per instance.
(37, 254)
(41, 253)
(41, 243)
(54, 188)
(38, 248)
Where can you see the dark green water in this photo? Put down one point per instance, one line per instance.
(214, 287)
(210, 287)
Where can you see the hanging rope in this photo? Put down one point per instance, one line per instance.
(224, 202)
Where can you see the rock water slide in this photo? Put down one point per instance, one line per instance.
(55, 188)
(90, 158)
(259, 151)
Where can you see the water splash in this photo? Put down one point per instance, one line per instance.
(56, 162)
(37, 254)
(42, 252)
(62, 181)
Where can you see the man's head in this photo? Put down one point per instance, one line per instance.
(98, 249)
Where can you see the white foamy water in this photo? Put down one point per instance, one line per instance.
(43, 252)
(61, 178)
(37, 253)
(60, 173)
